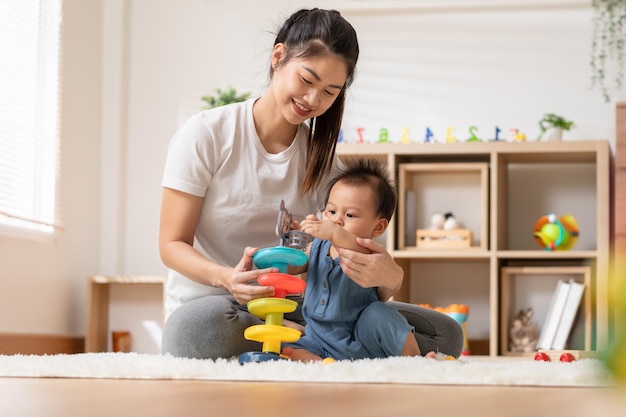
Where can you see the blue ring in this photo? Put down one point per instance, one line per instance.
(280, 257)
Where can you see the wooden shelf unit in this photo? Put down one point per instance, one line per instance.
(525, 181)
(97, 330)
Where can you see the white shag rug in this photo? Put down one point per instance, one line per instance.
(398, 370)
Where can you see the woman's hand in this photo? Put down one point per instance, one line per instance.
(238, 283)
(376, 269)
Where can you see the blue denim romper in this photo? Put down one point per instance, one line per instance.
(344, 320)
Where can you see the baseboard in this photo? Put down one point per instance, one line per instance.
(38, 344)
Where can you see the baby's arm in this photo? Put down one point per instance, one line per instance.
(328, 230)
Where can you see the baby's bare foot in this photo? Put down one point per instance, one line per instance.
(430, 355)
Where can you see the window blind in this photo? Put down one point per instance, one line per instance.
(29, 116)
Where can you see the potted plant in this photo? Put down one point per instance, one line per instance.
(607, 45)
(552, 127)
(223, 97)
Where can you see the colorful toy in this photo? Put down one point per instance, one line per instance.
(556, 233)
(450, 138)
(429, 136)
(290, 252)
(359, 131)
(516, 136)
(473, 137)
(383, 136)
(497, 138)
(563, 357)
(404, 135)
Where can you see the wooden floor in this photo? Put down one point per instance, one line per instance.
(51, 397)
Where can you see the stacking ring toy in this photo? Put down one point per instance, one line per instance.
(272, 310)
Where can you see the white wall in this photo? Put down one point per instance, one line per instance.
(424, 63)
(488, 66)
(42, 285)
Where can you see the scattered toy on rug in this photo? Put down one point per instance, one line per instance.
(563, 357)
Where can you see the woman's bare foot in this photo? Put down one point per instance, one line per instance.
(301, 355)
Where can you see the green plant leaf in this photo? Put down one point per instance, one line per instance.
(223, 97)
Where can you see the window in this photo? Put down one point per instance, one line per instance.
(29, 117)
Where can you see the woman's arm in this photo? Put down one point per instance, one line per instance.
(366, 262)
(376, 269)
(179, 216)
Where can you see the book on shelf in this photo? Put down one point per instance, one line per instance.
(570, 310)
(411, 218)
(553, 316)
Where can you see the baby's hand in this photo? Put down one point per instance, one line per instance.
(321, 229)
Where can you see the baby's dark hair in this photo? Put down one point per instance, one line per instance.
(313, 33)
(370, 172)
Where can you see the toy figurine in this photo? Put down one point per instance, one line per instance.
(497, 138)
(429, 136)
(516, 136)
(383, 136)
(473, 137)
(523, 334)
(404, 135)
(450, 138)
(447, 221)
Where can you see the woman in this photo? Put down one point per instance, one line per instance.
(227, 171)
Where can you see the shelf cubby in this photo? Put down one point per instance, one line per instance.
(525, 287)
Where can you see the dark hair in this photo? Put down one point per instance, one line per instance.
(370, 172)
(311, 33)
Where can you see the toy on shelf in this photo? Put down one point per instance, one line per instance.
(359, 131)
(516, 136)
(497, 137)
(556, 233)
(383, 136)
(289, 252)
(444, 232)
(523, 335)
(405, 135)
(460, 313)
(429, 136)
(473, 137)
(450, 138)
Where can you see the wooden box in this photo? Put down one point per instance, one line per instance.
(457, 238)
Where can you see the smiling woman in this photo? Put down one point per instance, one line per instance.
(29, 118)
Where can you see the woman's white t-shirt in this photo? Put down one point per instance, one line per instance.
(218, 155)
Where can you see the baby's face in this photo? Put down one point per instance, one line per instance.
(353, 208)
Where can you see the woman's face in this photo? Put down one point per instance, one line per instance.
(306, 87)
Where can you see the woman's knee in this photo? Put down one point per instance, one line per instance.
(210, 327)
